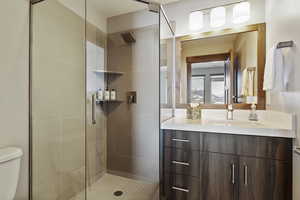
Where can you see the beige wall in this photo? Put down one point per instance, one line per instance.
(14, 20)
(282, 26)
(246, 49)
(133, 130)
(283, 23)
(92, 14)
(130, 21)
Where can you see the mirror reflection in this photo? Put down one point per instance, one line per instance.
(217, 70)
(207, 81)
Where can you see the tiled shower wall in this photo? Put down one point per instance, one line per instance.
(132, 129)
(58, 101)
(96, 133)
(59, 98)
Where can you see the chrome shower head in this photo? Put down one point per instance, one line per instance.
(128, 37)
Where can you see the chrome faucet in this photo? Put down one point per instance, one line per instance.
(229, 115)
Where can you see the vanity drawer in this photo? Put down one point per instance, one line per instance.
(182, 139)
(178, 187)
(182, 162)
(219, 143)
(264, 147)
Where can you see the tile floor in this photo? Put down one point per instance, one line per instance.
(132, 189)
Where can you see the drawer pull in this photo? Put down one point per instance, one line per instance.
(180, 140)
(180, 163)
(246, 175)
(180, 189)
(233, 173)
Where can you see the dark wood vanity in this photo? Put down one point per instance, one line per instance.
(211, 166)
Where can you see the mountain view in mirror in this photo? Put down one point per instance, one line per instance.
(206, 81)
(217, 70)
(208, 90)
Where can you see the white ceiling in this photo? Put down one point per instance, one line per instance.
(109, 8)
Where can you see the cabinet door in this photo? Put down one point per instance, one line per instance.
(219, 177)
(264, 179)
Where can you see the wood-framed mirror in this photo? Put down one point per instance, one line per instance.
(221, 67)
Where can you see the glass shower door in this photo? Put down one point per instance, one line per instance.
(58, 100)
(167, 67)
(96, 53)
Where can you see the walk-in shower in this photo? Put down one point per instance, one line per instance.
(89, 58)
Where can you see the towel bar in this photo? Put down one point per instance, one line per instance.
(285, 44)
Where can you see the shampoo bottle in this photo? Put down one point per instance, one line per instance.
(107, 95)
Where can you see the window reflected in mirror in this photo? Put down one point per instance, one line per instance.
(197, 89)
(217, 94)
(208, 82)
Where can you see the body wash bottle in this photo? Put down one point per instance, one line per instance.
(107, 95)
(113, 95)
(100, 95)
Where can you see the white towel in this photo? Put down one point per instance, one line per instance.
(288, 67)
(245, 83)
(248, 81)
(251, 82)
(274, 70)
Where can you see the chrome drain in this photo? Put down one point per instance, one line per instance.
(118, 193)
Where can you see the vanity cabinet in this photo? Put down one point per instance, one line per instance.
(210, 166)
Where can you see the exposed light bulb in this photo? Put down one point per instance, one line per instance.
(218, 17)
(196, 20)
(241, 12)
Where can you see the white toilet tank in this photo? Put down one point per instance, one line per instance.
(10, 159)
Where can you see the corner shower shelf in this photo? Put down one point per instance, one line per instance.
(109, 72)
(108, 101)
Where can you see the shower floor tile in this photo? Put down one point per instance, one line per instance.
(132, 189)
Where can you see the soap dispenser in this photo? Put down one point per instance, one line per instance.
(107, 94)
(252, 100)
(253, 116)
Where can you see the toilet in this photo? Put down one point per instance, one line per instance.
(10, 158)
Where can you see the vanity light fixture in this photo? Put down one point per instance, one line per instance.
(217, 17)
(241, 12)
(196, 20)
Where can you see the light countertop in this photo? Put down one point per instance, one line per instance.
(236, 127)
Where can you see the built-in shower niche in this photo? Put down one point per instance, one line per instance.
(109, 77)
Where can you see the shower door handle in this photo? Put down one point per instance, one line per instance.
(93, 109)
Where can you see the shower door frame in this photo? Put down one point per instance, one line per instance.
(162, 15)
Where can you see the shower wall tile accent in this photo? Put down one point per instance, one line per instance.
(133, 130)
